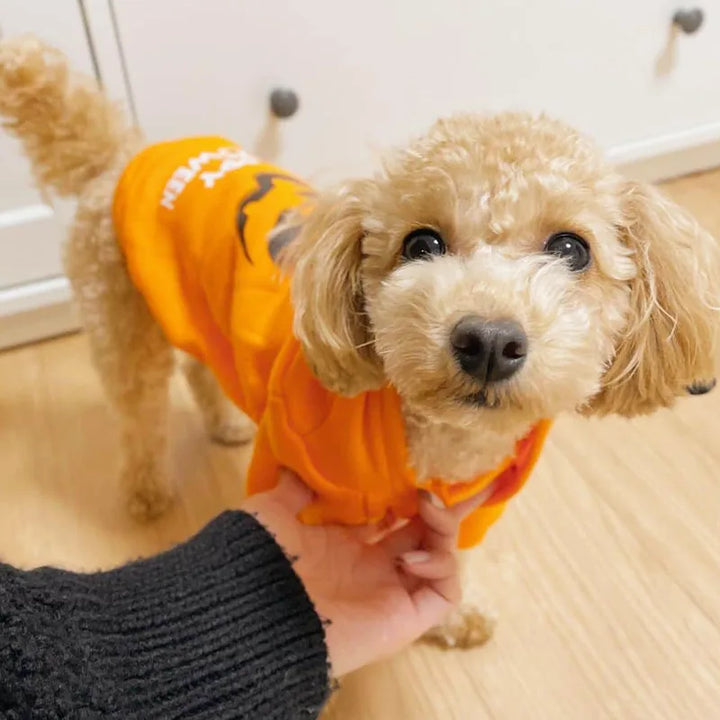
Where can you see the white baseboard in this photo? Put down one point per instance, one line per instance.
(672, 155)
(36, 311)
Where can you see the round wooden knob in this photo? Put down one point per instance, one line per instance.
(689, 21)
(284, 103)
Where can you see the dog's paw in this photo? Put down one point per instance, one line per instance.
(148, 504)
(226, 424)
(231, 431)
(148, 491)
(466, 627)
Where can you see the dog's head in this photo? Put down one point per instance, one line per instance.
(497, 267)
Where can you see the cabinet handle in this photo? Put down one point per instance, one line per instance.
(689, 21)
(284, 103)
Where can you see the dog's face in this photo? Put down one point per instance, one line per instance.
(498, 270)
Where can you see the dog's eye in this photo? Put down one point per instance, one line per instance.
(422, 244)
(571, 248)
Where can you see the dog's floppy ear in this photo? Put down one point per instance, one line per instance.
(669, 347)
(330, 319)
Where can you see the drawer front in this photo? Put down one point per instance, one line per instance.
(369, 74)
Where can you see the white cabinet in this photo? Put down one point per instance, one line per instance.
(370, 73)
(32, 228)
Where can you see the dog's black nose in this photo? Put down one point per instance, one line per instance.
(701, 387)
(489, 350)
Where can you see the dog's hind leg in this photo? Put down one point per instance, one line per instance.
(132, 356)
(224, 421)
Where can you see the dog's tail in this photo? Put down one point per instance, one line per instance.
(70, 130)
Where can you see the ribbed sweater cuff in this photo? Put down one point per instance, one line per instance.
(219, 627)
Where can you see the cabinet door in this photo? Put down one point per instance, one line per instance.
(34, 296)
(31, 228)
(371, 73)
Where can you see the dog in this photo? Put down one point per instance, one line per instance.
(495, 273)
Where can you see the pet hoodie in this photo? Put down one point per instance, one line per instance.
(193, 218)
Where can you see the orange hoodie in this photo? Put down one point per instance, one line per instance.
(193, 217)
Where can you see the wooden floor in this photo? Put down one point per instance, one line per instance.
(605, 572)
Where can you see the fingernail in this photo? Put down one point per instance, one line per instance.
(484, 495)
(416, 557)
(432, 498)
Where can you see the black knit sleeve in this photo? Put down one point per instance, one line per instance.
(219, 627)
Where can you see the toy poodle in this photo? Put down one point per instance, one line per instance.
(416, 329)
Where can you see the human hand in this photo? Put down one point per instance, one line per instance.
(378, 598)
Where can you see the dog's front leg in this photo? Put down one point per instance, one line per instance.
(473, 621)
(225, 423)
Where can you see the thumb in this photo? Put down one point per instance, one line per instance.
(431, 608)
(463, 509)
(291, 492)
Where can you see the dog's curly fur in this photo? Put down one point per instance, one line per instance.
(627, 336)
